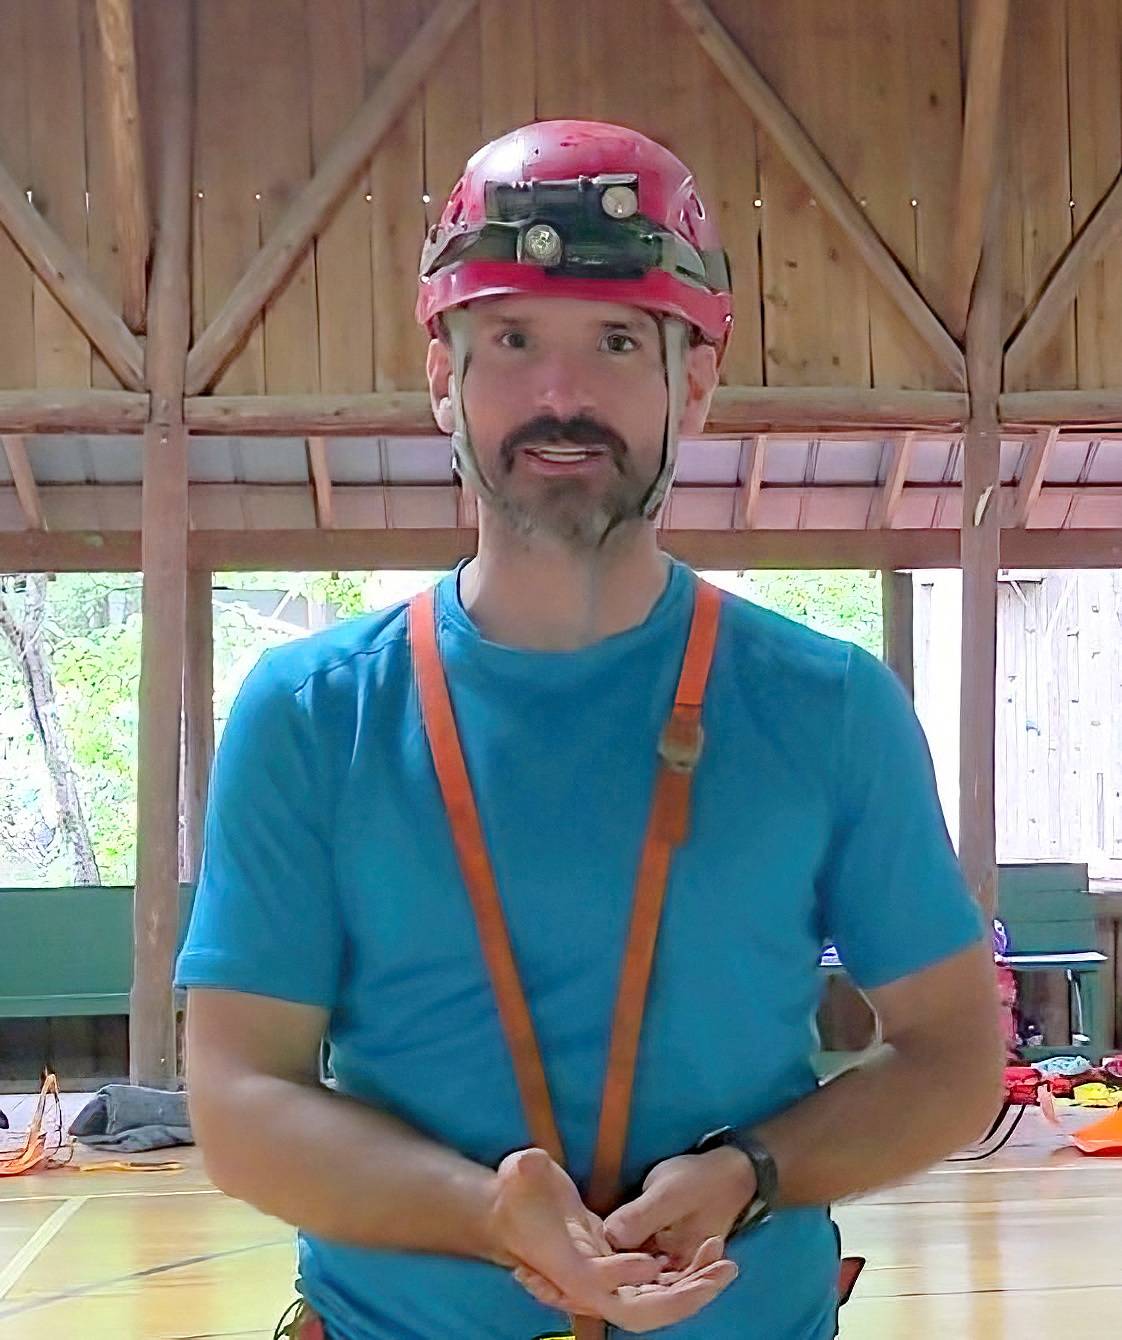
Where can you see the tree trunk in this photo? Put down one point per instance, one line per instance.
(25, 641)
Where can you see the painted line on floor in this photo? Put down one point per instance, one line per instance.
(111, 1195)
(79, 1290)
(37, 1242)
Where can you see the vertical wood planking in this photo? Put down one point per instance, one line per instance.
(570, 51)
(508, 65)
(397, 212)
(834, 77)
(453, 116)
(1040, 148)
(284, 165)
(808, 267)
(228, 118)
(884, 178)
(104, 249)
(17, 283)
(1094, 51)
(58, 176)
(342, 253)
(710, 128)
(931, 32)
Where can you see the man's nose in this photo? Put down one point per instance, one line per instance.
(559, 388)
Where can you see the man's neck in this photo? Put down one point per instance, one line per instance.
(543, 596)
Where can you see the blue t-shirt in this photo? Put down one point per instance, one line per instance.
(329, 878)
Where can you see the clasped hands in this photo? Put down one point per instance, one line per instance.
(653, 1262)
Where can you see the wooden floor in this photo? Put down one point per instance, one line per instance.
(1019, 1245)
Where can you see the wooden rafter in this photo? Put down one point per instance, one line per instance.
(72, 411)
(314, 205)
(118, 49)
(321, 482)
(979, 149)
(748, 495)
(27, 491)
(69, 282)
(1101, 229)
(888, 499)
(806, 158)
(1033, 475)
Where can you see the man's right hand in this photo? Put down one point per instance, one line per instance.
(560, 1253)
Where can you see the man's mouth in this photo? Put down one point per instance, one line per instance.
(565, 455)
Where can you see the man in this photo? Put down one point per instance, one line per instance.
(443, 885)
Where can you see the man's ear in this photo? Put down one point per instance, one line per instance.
(438, 367)
(702, 378)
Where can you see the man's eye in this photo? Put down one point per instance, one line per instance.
(615, 346)
(517, 335)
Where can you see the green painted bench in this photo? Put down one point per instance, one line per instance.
(1052, 921)
(69, 951)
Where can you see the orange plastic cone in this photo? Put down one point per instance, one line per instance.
(1101, 1137)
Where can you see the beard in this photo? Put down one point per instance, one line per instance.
(578, 513)
(568, 510)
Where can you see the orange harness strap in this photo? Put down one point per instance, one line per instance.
(679, 750)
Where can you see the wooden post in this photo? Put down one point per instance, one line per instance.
(198, 711)
(981, 559)
(897, 606)
(164, 561)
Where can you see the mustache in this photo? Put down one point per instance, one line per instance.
(581, 431)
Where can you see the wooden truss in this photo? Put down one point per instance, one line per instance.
(166, 385)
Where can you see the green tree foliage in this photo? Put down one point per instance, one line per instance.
(841, 603)
(93, 630)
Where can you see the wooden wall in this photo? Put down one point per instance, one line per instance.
(1059, 734)
(876, 83)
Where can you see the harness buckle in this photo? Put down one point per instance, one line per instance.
(681, 742)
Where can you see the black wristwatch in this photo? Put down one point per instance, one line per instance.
(759, 1209)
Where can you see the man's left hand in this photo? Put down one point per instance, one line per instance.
(685, 1201)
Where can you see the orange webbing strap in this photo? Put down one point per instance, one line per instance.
(668, 827)
(475, 864)
(679, 750)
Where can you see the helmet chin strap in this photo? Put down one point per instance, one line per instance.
(674, 339)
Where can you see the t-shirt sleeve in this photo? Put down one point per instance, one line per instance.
(265, 917)
(894, 899)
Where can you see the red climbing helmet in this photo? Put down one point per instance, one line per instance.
(579, 209)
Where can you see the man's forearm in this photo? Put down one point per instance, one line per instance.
(895, 1113)
(343, 1170)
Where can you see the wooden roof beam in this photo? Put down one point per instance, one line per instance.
(1101, 229)
(736, 411)
(61, 411)
(312, 550)
(1033, 475)
(321, 482)
(888, 498)
(27, 491)
(1070, 410)
(979, 152)
(748, 496)
(118, 49)
(69, 282)
(311, 209)
(772, 114)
